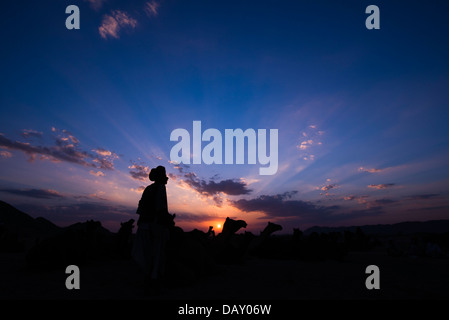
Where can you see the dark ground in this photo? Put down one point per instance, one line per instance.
(261, 279)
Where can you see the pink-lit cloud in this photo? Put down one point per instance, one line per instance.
(112, 24)
(96, 4)
(96, 173)
(371, 170)
(363, 199)
(151, 8)
(310, 139)
(138, 189)
(381, 186)
(213, 188)
(29, 133)
(35, 193)
(66, 149)
(139, 171)
(5, 154)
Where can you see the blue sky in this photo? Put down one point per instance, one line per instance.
(361, 114)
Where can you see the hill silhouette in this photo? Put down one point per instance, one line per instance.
(17, 221)
(19, 231)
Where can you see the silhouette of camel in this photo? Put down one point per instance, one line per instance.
(258, 245)
(229, 247)
(231, 226)
(203, 236)
(124, 243)
(189, 255)
(270, 228)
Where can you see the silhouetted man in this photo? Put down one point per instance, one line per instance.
(152, 233)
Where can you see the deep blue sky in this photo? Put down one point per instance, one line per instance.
(362, 114)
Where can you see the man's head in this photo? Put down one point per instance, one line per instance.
(158, 175)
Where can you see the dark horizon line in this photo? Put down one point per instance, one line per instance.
(305, 231)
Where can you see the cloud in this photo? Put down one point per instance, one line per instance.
(381, 186)
(281, 205)
(424, 196)
(97, 174)
(103, 152)
(213, 188)
(327, 187)
(443, 209)
(372, 170)
(230, 187)
(151, 8)
(309, 157)
(139, 171)
(179, 166)
(172, 176)
(360, 199)
(66, 149)
(384, 201)
(305, 144)
(98, 196)
(5, 154)
(112, 24)
(105, 158)
(96, 4)
(35, 193)
(29, 133)
(308, 140)
(283, 208)
(138, 189)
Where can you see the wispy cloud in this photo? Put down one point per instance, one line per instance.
(104, 152)
(29, 133)
(310, 137)
(96, 173)
(151, 8)
(96, 4)
(384, 201)
(327, 187)
(5, 154)
(381, 186)
(66, 149)
(139, 171)
(371, 170)
(360, 199)
(113, 23)
(305, 144)
(138, 189)
(428, 196)
(35, 193)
